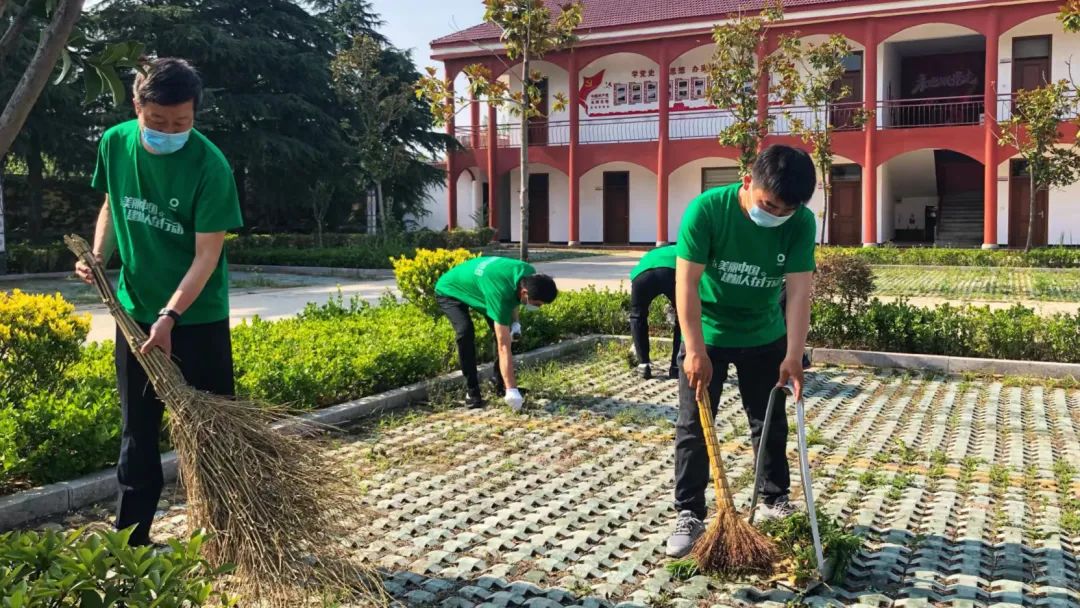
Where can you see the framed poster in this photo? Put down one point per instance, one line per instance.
(697, 88)
(620, 93)
(651, 91)
(682, 89)
(636, 97)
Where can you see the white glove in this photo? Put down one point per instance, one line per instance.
(514, 399)
(515, 331)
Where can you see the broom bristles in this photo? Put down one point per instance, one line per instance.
(731, 545)
(274, 506)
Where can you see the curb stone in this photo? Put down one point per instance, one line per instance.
(62, 497)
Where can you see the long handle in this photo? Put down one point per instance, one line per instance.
(759, 461)
(808, 489)
(720, 482)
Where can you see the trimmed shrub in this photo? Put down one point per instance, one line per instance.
(40, 336)
(416, 276)
(845, 279)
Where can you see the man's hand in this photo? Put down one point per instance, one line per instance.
(791, 370)
(160, 336)
(699, 371)
(83, 271)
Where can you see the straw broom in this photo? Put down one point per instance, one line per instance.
(274, 507)
(731, 544)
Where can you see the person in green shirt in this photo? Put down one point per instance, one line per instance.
(737, 246)
(654, 276)
(496, 288)
(169, 199)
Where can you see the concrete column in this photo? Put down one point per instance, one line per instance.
(990, 147)
(869, 174)
(662, 146)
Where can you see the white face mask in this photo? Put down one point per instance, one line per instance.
(531, 307)
(765, 219)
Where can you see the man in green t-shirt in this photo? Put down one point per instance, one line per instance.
(495, 287)
(654, 276)
(169, 199)
(737, 246)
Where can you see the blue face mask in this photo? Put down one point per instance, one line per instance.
(765, 219)
(164, 143)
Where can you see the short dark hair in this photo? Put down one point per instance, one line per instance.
(540, 287)
(168, 81)
(786, 172)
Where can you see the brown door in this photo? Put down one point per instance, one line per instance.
(845, 221)
(538, 126)
(842, 117)
(1020, 208)
(538, 208)
(616, 207)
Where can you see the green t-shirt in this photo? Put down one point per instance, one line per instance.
(486, 284)
(661, 257)
(745, 266)
(158, 203)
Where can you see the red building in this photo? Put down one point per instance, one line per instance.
(621, 163)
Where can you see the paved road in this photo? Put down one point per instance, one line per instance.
(602, 271)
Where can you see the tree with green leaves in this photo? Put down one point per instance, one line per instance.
(381, 101)
(26, 69)
(811, 75)
(735, 60)
(1070, 16)
(1033, 131)
(528, 32)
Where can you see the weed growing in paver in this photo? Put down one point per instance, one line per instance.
(898, 484)
(683, 569)
(581, 590)
(1000, 477)
(664, 599)
(869, 480)
(967, 472)
(814, 436)
(907, 454)
(793, 538)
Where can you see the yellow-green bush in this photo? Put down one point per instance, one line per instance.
(416, 277)
(40, 337)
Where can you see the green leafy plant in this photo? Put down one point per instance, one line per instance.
(793, 537)
(416, 276)
(40, 336)
(683, 569)
(100, 570)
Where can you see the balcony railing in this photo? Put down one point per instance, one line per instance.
(842, 117)
(705, 124)
(1007, 101)
(699, 125)
(939, 112)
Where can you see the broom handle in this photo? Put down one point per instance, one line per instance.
(720, 482)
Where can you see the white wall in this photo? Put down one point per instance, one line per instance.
(1064, 203)
(683, 186)
(1003, 204)
(1063, 47)
(437, 205)
(558, 82)
(558, 203)
(888, 84)
(642, 203)
(465, 200)
(906, 185)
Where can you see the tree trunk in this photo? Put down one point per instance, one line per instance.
(37, 73)
(3, 241)
(825, 220)
(35, 182)
(1031, 208)
(525, 160)
(380, 206)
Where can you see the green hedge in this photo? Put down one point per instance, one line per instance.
(340, 351)
(1047, 257)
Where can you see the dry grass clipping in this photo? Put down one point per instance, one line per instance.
(730, 545)
(273, 505)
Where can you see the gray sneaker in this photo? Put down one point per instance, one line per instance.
(687, 530)
(781, 508)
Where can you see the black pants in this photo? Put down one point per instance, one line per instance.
(458, 313)
(204, 354)
(759, 370)
(645, 288)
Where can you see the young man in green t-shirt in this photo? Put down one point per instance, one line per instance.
(654, 276)
(169, 199)
(737, 246)
(495, 287)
